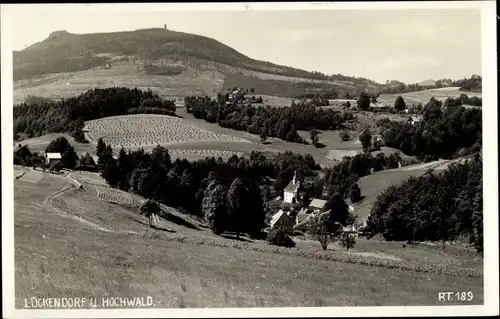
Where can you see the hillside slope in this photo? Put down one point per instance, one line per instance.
(87, 50)
(72, 241)
(175, 62)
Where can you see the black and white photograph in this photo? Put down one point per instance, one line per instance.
(249, 159)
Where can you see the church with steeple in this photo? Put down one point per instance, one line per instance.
(291, 190)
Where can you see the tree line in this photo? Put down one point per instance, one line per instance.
(267, 121)
(441, 133)
(474, 84)
(433, 207)
(183, 184)
(68, 115)
(69, 158)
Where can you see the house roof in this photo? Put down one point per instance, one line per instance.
(291, 187)
(302, 217)
(317, 203)
(54, 155)
(279, 216)
(415, 118)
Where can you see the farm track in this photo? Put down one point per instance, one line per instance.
(135, 200)
(52, 206)
(49, 203)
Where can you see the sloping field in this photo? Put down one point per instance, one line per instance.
(202, 153)
(64, 85)
(424, 96)
(39, 144)
(275, 101)
(148, 129)
(374, 184)
(32, 176)
(114, 196)
(180, 267)
(338, 155)
(89, 178)
(19, 171)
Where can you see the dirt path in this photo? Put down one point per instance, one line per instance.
(74, 186)
(49, 202)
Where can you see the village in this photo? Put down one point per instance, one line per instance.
(294, 216)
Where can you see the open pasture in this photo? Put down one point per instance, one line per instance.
(423, 97)
(123, 74)
(203, 153)
(142, 129)
(89, 178)
(374, 184)
(66, 259)
(337, 155)
(32, 176)
(40, 143)
(274, 101)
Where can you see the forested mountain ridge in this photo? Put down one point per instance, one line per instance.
(67, 52)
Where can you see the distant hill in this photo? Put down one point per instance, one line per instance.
(66, 52)
(428, 83)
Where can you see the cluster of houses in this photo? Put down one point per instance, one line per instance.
(292, 219)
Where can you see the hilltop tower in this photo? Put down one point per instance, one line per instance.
(165, 26)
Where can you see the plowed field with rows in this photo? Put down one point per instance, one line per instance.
(150, 129)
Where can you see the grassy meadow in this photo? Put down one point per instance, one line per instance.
(57, 255)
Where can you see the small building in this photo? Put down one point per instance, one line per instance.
(317, 205)
(291, 190)
(52, 157)
(282, 220)
(414, 119)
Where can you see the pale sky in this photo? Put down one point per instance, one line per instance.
(406, 45)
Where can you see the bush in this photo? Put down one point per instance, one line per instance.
(344, 136)
(348, 241)
(279, 237)
(355, 193)
(399, 104)
(56, 166)
(366, 139)
(324, 230)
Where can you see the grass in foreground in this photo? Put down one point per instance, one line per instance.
(85, 263)
(60, 257)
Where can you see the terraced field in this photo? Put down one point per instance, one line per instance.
(147, 130)
(110, 195)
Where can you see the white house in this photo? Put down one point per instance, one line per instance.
(291, 190)
(414, 119)
(51, 157)
(282, 220)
